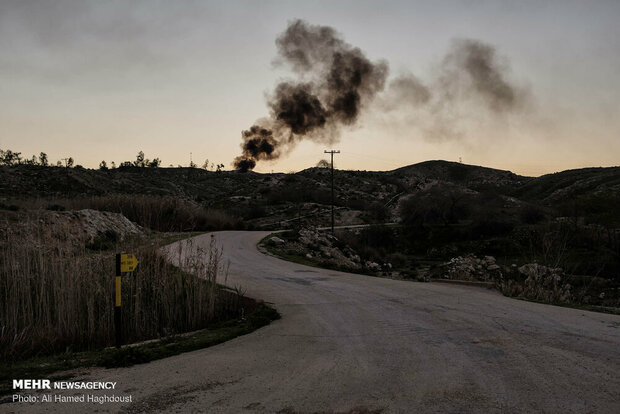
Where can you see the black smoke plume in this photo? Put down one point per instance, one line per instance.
(338, 80)
(474, 68)
(471, 86)
(258, 144)
(298, 108)
(469, 69)
(406, 90)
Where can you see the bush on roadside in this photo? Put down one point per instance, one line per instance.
(160, 213)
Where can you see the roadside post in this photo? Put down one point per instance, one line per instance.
(124, 263)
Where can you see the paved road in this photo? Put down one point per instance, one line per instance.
(357, 344)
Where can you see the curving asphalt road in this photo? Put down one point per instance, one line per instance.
(357, 344)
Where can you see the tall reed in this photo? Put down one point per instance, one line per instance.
(55, 296)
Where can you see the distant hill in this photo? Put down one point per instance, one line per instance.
(193, 183)
(464, 174)
(264, 197)
(572, 184)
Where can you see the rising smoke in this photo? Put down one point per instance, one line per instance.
(470, 87)
(473, 68)
(406, 90)
(336, 80)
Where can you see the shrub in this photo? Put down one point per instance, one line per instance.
(55, 207)
(434, 206)
(161, 213)
(532, 214)
(489, 228)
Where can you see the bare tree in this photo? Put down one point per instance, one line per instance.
(323, 164)
(140, 160)
(43, 159)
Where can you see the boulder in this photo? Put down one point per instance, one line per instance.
(276, 241)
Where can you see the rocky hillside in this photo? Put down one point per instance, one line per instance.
(90, 228)
(263, 199)
(470, 176)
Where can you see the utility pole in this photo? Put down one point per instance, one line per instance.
(332, 152)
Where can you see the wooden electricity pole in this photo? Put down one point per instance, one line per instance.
(332, 152)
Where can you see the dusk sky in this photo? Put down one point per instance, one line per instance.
(102, 80)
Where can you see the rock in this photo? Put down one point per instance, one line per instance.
(320, 245)
(373, 266)
(470, 268)
(276, 241)
(95, 223)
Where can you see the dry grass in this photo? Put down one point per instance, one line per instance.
(161, 213)
(56, 296)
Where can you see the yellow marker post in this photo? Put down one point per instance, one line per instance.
(118, 292)
(124, 263)
(117, 305)
(128, 263)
